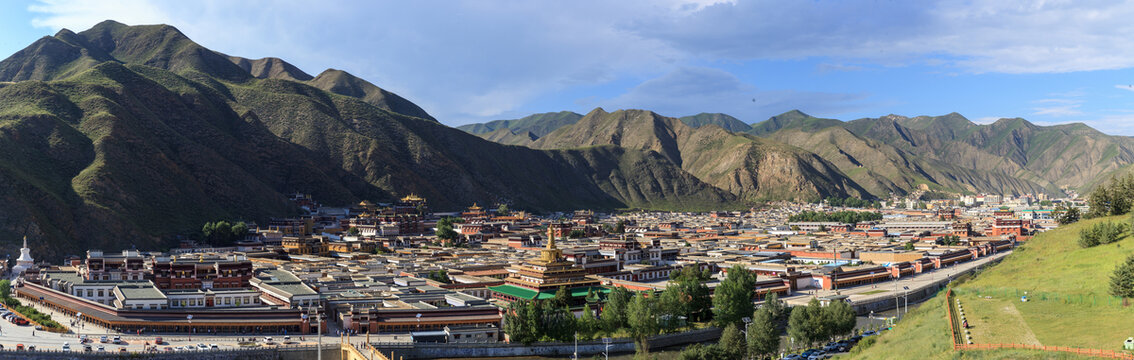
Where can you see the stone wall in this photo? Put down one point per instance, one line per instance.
(586, 348)
(330, 352)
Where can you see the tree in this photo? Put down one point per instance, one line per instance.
(614, 311)
(556, 322)
(575, 234)
(1067, 215)
(5, 289)
(909, 246)
(839, 318)
(1122, 281)
(643, 320)
(502, 210)
(732, 342)
(353, 231)
(440, 276)
(239, 231)
(521, 322)
(763, 334)
(703, 352)
(806, 323)
(620, 227)
(1100, 233)
(687, 295)
(588, 325)
(445, 230)
(777, 309)
(733, 299)
(562, 297)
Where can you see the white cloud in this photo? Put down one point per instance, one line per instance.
(1058, 107)
(1125, 87)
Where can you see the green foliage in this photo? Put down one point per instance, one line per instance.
(576, 234)
(440, 276)
(1113, 198)
(445, 230)
(503, 210)
(1122, 281)
(614, 312)
(1066, 215)
(224, 233)
(764, 333)
(562, 297)
(909, 246)
(642, 318)
(935, 195)
(620, 227)
(353, 231)
(839, 317)
(704, 352)
(1045, 203)
(732, 342)
(5, 288)
(846, 216)
(732, 300)
(1100, 233)
(808, 324)
(947, 240)
(31, 313)
(557, 323)
(521, 322)
(587, 324)
(686, 296)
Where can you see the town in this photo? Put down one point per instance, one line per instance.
(401, 275)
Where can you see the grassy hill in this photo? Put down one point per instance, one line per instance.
(725, 121)
(1068, 302)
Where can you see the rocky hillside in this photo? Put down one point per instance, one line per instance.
(128, 135)
(725, 121)
(747, 166)
(895, 153)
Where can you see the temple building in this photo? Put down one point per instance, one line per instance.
(541, 278)
(25, 262)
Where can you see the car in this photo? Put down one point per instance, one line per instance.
(87, 348)
(117, 339)
(791, 357)
(103, 339)
(101, 348)
(121, 349)
(214, 347)
(158, 340)
(66, 347)
(19, 347)
(168, 349)
(83, 339)
(31, 347)
(287, 339)
(202, 347)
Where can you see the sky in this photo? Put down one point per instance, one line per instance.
(473, 61)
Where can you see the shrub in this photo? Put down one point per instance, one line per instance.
(1101, 233)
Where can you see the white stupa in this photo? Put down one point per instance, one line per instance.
(25, 261)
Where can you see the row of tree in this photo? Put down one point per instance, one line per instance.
(224, 233)
(852, 202)
(1113, 198)
(1100, 233)
(846, 216)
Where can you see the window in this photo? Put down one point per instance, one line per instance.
(90, 293)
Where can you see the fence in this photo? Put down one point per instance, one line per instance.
(1110, 354)
(954, 331)
(1079, 299)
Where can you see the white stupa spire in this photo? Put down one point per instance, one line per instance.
(25, 261)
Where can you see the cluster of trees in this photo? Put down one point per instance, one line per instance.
(1113, 198)
(846, 217)
(1066, 214)
(814, 324)
(223, 233)
(1100, 233)
(440, 276)
(445, 230)
(948, 240)
(1122, 280)
(852, 202)
(28, 311)
(935, 195)
(528, 321)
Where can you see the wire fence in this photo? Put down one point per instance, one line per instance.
(1069, 299)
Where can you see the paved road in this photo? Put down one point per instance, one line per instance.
(886, 289)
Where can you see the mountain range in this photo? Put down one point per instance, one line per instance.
(123, 136)
(879, 157)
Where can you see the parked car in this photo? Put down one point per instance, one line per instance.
(87, 348)
(103, 339)
(214, 347)
(202, 347)
(117, 339)
(101, 348)
(66, 347)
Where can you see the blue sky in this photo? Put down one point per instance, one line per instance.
(471, 61)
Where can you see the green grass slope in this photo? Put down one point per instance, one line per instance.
(1068, 303)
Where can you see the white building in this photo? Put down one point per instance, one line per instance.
(25, 261)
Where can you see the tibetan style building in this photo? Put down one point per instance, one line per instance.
(541, 278)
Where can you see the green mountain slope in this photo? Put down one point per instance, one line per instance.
(103, 151)
(725, 121)
(537, 124)
(748, 166)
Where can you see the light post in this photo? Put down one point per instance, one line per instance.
(190, 319)
(606, 348)
(747, 322)
(576, 356)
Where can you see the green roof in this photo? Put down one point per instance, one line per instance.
(525, 293)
